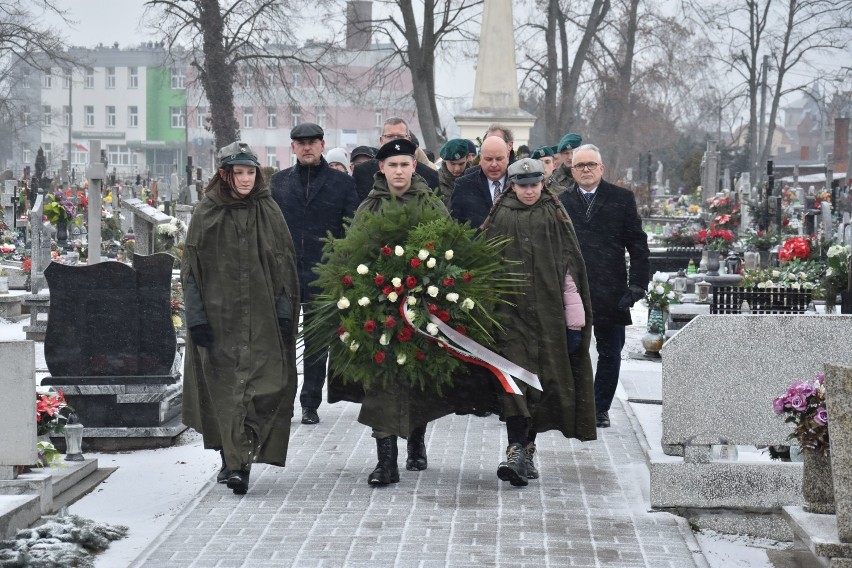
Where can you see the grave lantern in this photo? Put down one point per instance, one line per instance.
(73, 439)
(702, 290)
(680, 282)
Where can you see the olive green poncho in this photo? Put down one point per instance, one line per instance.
(239, 275)
(535, 335)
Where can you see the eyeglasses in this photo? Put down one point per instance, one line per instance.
(390, 137)
(585, 166)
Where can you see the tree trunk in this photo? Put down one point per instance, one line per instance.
(421, 59)
(217, 74)
(551, 75)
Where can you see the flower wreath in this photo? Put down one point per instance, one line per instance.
(397, 278)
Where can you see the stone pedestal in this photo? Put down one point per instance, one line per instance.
(838, 384)
(39, 306)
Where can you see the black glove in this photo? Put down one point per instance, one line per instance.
(633, 295)
(202, 335)
(286, 327)
(575, 339)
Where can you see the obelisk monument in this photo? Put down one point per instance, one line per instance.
(495, 95)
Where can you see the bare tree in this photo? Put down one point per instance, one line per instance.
(419, 39)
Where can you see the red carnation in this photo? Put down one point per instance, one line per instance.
(411, 282)
(379, 357)
(467, 277)
(404, 334)
(432, 308)
(415, 262)
(430, 246)
(399, 289)
(387, 290)
(461, 329)
(419, 355)
(448, 282)
(444, 316)
(390, 323)
(369, 326)
(347, 280)
(341, 330)
(379, 279)
(386, 250)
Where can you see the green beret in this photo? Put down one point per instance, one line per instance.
(455, 149)
(570, 140)
(542, 152)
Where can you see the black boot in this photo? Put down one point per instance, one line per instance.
(416, 460)
(224, 473)
(514, 469)
(529, 453)
(238, 481)
(386, 471)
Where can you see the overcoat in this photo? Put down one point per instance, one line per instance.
(605, 229)
(471, 200)
(239, 275)
(534, 333)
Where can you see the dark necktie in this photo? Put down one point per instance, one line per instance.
(589, 197)
(497, 189)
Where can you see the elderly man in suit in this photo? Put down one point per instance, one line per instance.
(607, 223)
(476, 190)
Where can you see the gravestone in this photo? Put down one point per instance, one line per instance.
(111, 347)
(39, 300)
(825, 214)
(17, 405)
(7, 195)
(145, 221)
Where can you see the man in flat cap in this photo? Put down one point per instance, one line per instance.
(315, 200)
(562, 177)
(455, 161)
(360, 155)
(394, 128)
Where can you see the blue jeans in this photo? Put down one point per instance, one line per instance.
(609, 341)
(314, 367)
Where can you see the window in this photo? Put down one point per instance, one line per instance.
(66, 114)
(47, 147)
(297, 79)
(47, 79)
(201, 117)
(26, 155)
(178, 79)
(248, 117)
(297, 118)
(133, 78)
(271, 117)
(25, 115)
(132, 117)
(45, 109)
(66, 78)
(271, 158)
(321, 117)
(110, 117)
(379, 121)
(271, 76)
(89, 82)
(178, 118)
(25, 79)
(79, 156)
(89, 111)
(110, 77)
(119, 155)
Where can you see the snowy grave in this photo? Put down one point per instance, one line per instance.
(145, 221)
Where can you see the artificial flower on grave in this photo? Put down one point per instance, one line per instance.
(51, 411)
(795, 248)
(681, 236)
(820, 197)
(794, 275)
(714, 239)
(836, 276)
(660, 293)
(47, 455)
(724, 213)
(803, 404)
(389, 287)
(59, 209)
(761, 239)
(177, 305)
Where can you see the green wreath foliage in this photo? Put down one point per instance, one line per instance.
(443, 268)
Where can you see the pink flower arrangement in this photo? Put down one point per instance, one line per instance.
(804, 405)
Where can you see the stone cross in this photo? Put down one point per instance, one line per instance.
(40, 246)
(745, 210)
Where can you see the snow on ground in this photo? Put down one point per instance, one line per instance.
(737, 551)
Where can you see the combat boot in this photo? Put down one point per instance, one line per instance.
(514, 469)
(529, 453)
(416, 460)
(224, 473)
(387, 470)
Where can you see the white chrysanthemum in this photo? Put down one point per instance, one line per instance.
(423, 254)
(761, 284)
(432, 328)
(393, 296)
(344, 336)
(431, 262)
(452, 297)
(809, 285)
(651, 286)
(671, 295)
(343, 303)
(411, 300)
(449, 254)
(776, 273)
(384, 339)
(398, 250)
(791, 276)
(432, 291)
(362, 269)
(803, 276)
(400, 359)
(770, 284)
(660, 290)
(396, 282)
(467, 304)
(795, 286)
(354, 346)
(661, 277)
(363, 301)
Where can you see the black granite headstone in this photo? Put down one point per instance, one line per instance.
(111, 321)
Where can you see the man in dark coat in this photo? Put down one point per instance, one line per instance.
(394, 128)
(476, 190)
(315, 200)
(607, 223)
(453, 166)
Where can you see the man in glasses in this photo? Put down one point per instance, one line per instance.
(607, 223)
(394, 128)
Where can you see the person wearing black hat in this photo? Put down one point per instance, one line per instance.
(453, 165)
(315, 200)
(394, 128)
(361, 154)
(241, 312)
(394, 403)
(553, 306)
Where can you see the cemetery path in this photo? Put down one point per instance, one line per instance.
(589, 508)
